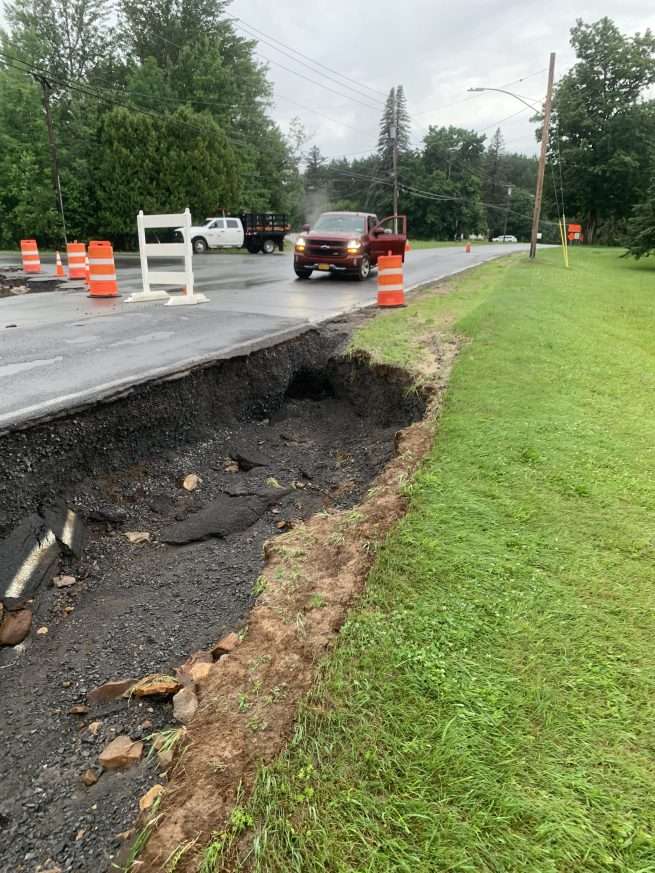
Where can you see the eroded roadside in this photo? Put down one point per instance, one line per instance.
(289, 438)
(249, 700)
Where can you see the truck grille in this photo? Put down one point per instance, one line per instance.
(324, 248)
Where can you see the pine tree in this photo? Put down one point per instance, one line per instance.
(395, 121)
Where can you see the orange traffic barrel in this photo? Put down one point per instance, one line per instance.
(102, 270)
(391, 290)
(29, 251)
(76, 255)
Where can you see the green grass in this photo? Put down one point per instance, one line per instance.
(491, 703)
(439, 243)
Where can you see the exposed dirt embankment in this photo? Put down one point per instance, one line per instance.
(249, 700)
(179, 486)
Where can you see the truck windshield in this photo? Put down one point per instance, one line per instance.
(341, 223)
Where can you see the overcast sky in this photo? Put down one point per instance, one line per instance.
(435, 49)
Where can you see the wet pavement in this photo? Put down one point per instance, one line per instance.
(61, 350)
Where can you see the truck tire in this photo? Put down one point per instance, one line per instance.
(303, 274)
(268, 246)
(199, 245)
(253, 248)
(364, 270)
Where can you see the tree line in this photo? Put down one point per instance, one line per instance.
(160, 104)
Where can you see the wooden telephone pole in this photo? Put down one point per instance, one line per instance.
(394, 136)
(56, 181)
(536, 215)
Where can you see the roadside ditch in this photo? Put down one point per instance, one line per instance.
(161, 513)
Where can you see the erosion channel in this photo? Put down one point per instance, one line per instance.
(174, 489)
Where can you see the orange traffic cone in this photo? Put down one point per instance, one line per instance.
(408, 247)
(59, 267)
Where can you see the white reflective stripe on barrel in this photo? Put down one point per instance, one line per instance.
(390, 271)
(104, 261)
(383, 288)
(107, 278)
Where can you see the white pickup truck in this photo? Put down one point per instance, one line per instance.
(254, 231)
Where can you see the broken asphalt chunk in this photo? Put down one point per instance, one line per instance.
(67, 526)
(27, 558)
(248, 457)
(222, 517)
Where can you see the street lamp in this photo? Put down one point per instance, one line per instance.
(511, 94)
(536, 215)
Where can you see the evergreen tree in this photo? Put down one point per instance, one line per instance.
(395, 123)
(641, 227)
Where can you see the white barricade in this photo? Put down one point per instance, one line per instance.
(166, 250)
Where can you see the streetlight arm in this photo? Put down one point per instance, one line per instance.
(511, 94)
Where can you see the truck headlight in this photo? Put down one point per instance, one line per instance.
(354, 245)
(300, 245)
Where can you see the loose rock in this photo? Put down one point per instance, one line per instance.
(121, 753)
(156, 685)
(200, 671)
(191, 482)
(136, 537)
(185, 705)
(42, 631)
(165, 758)
(48, 867)
(148, 799)
(225, 646)
(78, 709)
(64, 581)
(94, 728)
(108, 515)
(89, 777)
(110, 691)
(15, 627)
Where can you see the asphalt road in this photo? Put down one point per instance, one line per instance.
(62, 350)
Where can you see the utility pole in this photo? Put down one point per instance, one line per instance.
(394, 137)
(509, 201)
(536, 215)
(56, 181)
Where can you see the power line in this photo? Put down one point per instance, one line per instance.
(320, 84)
(431, 195)
(317, 63)
(349, 83)
(284, 97)
(476, 96)
(317, 112)
(90, 92)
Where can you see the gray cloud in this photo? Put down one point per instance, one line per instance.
(435, 49)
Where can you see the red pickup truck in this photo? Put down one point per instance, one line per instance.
(348, 242)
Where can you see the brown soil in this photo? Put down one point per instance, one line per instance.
(311, 577)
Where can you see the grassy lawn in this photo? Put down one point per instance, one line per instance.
(437, 244)
(491, 703)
